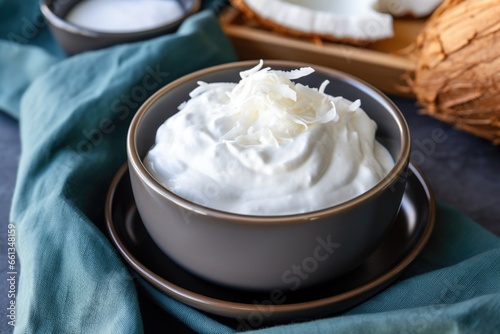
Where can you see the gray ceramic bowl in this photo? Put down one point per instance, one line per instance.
(75, 39)
(262, 252)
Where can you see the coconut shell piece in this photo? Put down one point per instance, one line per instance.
(407, 8)
(457, 72)
(295, 18)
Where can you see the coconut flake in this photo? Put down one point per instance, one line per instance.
(255, 69)
(355, 105)
(296, 74)
(323, 86)
(203, 87)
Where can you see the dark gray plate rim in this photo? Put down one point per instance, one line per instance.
(406, 240)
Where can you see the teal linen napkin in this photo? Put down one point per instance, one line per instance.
(22, 23)
(73, 122)
(74, 118)
(19, 66)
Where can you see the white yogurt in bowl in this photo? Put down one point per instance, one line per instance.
(268, 146)
(124, 16)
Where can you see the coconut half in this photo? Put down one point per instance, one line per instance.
(350, 21)
(414, 8)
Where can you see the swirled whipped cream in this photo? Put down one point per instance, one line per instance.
(267, 146)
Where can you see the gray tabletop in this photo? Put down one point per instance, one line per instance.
(463, 171)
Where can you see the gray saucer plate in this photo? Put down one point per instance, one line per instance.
(410, 233)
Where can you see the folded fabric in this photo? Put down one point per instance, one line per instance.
(73, 122)
(22, 23)
(19, 66)
(74, 117)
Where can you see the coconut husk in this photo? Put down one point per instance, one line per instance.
(457, 72)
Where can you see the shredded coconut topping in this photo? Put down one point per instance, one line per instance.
(270, 108)
(268, 145)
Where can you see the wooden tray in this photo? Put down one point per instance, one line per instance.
(377, 64)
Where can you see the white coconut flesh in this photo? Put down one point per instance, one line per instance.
(416, 8)
(340, 19)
